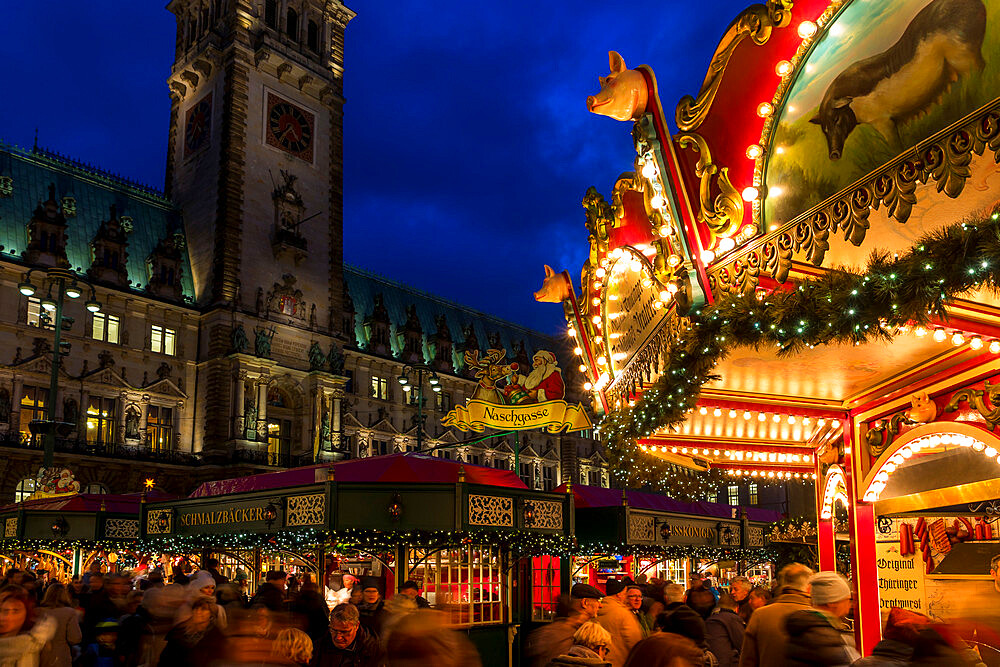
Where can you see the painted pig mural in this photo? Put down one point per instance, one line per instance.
(623, 94)
(942, 42)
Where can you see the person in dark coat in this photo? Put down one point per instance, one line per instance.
(372, 608)
(99, 607)
(739, 588)
(347, 643)
(556, 638)
(311, 609)
(724, 632)
(411, 590)
(271, 593)
(817, 636)
(212, 566)
(686, 622)
(196, 642)
(901, 633)
(698, 597)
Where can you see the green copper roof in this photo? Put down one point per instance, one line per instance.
(153, 216)
(363, 285)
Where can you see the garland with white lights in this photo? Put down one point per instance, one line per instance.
(839, 307)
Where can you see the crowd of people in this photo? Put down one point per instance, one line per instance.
(204, 620)
(804, 620)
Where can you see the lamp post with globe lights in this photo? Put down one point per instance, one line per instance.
(432, 379)
(61, 283)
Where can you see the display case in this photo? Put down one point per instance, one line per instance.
(469, 582)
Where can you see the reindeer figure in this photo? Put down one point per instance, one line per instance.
(488, 371)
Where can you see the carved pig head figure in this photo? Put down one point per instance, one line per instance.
(555, 287)
(623, 94)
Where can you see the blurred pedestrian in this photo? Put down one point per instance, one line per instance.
(556, 638)
(212, 567)
(901, 633)
(765, 638)
(202, 585)
(311, 610)
(818, 636)
(686, 622)
(591, 644)
(271, 593)
(411, 590)
(195, 642)
(665, 649)
(372, 606)
(698, 597)
(759, 597)
(22, 633)
(724, 632)
(56, 604)
(423, 639)
(615, 617)
(347, 643)
(739, 588)
(103, 651)
(293, 647)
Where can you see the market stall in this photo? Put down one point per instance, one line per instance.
(628, 533)
(466, 534)
(793, 284)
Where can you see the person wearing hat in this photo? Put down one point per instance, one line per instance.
(818, 636)
(617, 618)
(372, 606)
(765, 638)
(104, 649)
(271, 593)
(556, 638)
(901, 634)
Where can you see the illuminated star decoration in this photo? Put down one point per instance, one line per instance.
(150, 483)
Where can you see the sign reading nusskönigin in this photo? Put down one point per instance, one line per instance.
(505, 399)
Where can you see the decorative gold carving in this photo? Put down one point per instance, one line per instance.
(10, 527)
(641, 528)
(755, 537)
(159, 522)
(306, 510)
(985, 401)
(491, 511)
(724, 214)
(756, 22)
(122, 529)
(548, 515)
(880, 435)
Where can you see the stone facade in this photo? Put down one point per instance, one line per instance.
(231, 337)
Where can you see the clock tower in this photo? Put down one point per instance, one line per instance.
(255, 125)
(255, 163)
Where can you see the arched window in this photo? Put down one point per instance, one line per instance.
(95, 487)
(280, 417)
(292, 24)
(24, 489)
(312, 36)
(271, 13)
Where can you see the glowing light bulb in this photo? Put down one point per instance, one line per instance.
(920, 332)
(807, 29)
(976, 343)
(703, 410)
(583, 368)
(664, 296)
(707, 256)
(602, 360)
(783, 68)
(762, 416)
(657, 201)
(995, 346)
(940, 335)
(957, 339)
(764, 109)
(649, 170)
(776, 418)
(572, 332)
(726, 244)
(587, 386)
(746, 415)
(664, 231)
(674, 260)
(750, 193)
(754, 151)
(600, 272)
(717, 412)
(732, 414)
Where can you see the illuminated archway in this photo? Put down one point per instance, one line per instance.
(834, 489)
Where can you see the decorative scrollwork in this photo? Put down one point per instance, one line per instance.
(491, 511)
(724, 214)
(756, 22)
(548, 515)
(944, 159)
(122, 529)
(989, 508)
(10, 527)
(159, 522)
(306, 510)
(755, 536)
(881, 435)
(641, 528)
(985, 401)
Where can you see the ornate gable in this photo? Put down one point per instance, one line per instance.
(413, 337)
(108, 250)
(377, 328)
(47, 233)
(165, 265)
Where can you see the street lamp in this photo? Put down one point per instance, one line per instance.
(61, 283)
(433, 380)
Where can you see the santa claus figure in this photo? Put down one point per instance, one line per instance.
(545, 382)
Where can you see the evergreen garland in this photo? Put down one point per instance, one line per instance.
(840, 307)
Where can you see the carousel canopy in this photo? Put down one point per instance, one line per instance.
(596, 496)
(393, 469)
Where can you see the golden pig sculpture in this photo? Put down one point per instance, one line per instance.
(623, 94)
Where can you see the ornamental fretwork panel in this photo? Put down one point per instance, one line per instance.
(548, 515)
(124, 529)
(306, 510)
(755, 537)
(491, 511)
(159, 522)
(10, 527)
(641, 528)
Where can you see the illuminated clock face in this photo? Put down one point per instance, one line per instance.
(290, 128)
(198, 125)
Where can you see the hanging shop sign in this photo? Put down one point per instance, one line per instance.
(702, 533)
(508, 400)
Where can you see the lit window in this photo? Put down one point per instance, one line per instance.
(95, 487)
(753, 493)
(159, 427)
(279, 440)
(442, 401)
(380, 388)
(101, 420)
(468, 582)
(548, 478)
(33, 407)
(734, 494)
(594, 478)
(24, 489)
(544, 587)
(105, 327)
(162, 340)
(37, 317)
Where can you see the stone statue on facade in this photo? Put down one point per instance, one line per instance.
(238, 339)
(262, 342)
(316, 357)
(335, 359)
(132, 424)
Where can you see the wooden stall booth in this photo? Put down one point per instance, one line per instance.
(468, 535)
